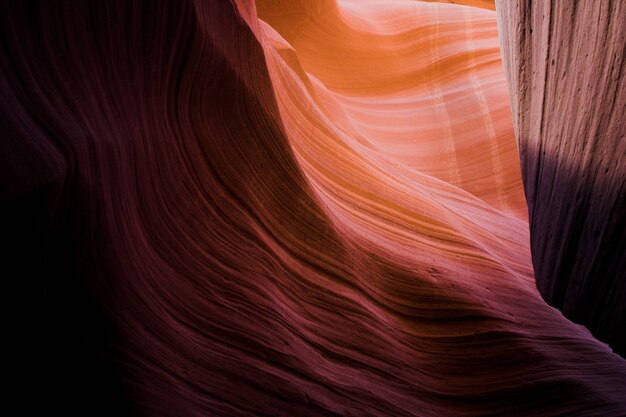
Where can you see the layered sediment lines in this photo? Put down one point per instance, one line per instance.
(287, 208)
(419, 85)
(566, 67)
(484, 4)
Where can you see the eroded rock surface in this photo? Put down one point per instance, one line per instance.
(566, 70)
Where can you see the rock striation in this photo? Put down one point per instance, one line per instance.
(275, 208)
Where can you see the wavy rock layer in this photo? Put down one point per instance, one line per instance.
(485, 4)
(316, 210)
(566, 66)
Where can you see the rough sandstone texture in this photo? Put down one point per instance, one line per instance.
(565, 66)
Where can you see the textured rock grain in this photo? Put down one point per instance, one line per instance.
(566, 71)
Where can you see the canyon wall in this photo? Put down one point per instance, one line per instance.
(275, 208)
(565, 67)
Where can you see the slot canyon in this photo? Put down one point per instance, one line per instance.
(314, 207)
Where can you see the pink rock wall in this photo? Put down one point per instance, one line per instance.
(565, 63)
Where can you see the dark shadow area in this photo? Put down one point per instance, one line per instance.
(58, 338)
(578, 242)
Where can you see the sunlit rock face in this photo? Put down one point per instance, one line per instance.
(280, 208)
(485, 4)
(415, 85)
(565, 62)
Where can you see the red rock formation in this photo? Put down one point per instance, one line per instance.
(566, 67)
(216, 204)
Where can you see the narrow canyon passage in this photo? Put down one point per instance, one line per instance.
(279, 208)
